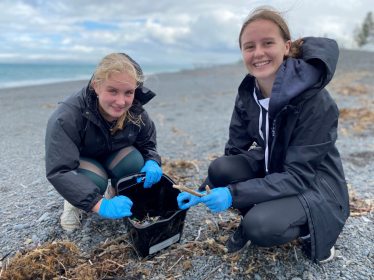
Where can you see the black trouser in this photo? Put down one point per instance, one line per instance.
(266, 224)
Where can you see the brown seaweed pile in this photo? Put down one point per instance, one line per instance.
(180, 171)
(62, 260)
(358, 119)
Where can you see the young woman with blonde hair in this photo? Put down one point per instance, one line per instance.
(292, 183)
(98, 133)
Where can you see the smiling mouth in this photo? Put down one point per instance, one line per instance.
(261, 63)
(118, 108)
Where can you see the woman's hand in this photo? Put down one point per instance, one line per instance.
(153, 173)
(186, 200)
(116, 208)
(219, 200)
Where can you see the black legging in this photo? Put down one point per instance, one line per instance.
(269, 223)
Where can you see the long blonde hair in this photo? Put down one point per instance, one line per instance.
(271, 14)
(119, 63)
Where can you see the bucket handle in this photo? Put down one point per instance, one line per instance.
(136, 175)
(130, 177)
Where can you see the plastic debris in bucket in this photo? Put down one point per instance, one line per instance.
(157, 221)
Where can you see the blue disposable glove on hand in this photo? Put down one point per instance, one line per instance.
(193, 200)
(153, 173)
(117, 207)
(219, 200)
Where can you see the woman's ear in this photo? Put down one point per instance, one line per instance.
(288, 46)
(95, 86)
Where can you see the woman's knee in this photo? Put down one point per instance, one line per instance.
(259, 230)
(228, 169)
(218, 172)
(95, 171)
(126, 161)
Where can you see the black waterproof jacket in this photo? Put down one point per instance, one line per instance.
(303, 158)
(76, 129)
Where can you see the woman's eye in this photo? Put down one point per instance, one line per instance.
(249, 47)
(113, 91)
(268, 43)
(129, 93)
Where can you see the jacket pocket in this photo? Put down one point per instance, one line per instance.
(332, 193)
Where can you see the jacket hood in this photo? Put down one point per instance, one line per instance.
(313, 70)
(142, 93)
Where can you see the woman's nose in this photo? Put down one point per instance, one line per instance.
(259, 52)
(121, 100)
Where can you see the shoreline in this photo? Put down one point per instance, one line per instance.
(364, 57)
(51, 81)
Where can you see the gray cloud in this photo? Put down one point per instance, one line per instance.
(159, 32)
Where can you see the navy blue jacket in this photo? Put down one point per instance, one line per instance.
(303, 158)
(76, 129)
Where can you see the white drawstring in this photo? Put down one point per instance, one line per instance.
(266, 130)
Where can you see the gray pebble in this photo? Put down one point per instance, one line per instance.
(43, 217)
(34, 238)
(18, 227)
(86, 238)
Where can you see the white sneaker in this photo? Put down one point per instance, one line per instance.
(108, 193)
(329, 258)
(71, 217)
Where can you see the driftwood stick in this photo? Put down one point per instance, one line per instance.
(185, 189)
(208, 191)
(175, 263)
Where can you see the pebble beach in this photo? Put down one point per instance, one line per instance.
(192, 112)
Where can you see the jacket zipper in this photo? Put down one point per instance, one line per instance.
(275, 133)
(311, 217)
(324, 182)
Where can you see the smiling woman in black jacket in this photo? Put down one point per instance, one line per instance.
(292, 183)
(98, 133)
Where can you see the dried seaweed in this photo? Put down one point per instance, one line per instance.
(350, 84)
(358, 205)
(180, 170)
(63, 259)
(358, 118)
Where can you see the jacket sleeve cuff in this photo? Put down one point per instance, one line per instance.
(96, 199)
(155, 158)
(234, 193)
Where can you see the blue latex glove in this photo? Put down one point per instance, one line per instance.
(153, 173)
(219, 200)
(117, 207)
(193, 200)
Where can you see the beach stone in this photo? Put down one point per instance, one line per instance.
(36, 182)
(43, 217)
(86, 238)
(34, 238)
(18, 227)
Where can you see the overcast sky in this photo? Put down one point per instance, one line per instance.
(156, 31)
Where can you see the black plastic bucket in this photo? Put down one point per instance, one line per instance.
(158, 200)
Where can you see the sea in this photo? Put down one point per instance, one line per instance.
(20, 75)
